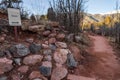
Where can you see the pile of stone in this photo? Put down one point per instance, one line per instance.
(3, 22)
(50, 58)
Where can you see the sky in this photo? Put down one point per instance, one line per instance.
(101, 6)
(92, 6)
(36, 6)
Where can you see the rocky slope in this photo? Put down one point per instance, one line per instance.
(52, 54)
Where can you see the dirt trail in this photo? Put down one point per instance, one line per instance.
(107, 67)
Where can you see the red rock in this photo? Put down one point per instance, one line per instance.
(58, 65)
(36, 74)
(48, 58)
(45, 46)
(8, 54)
(15, 77)
(2, 39)
(60, 56)
(54, 24)
(4, 35)
(36, 28)
(46, 33)
(46, 42)
(52, 40)
(30, 40)
(23, 69)
(61, 44)
(32, 59)
(46, 68)
(76, 52)
(47, 52)
(5, 65)
(47, 64)
(59, 73)
(60, 36)
(56, 29)
(74, 77)
(70, 37)
(52, 35)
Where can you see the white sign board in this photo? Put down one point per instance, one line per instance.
(14, 17)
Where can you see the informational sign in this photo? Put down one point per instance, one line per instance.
(14, 17)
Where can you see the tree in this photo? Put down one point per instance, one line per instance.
(32, 17)
(14, 4)
(117, 24)
(92, 28)
(10, 4)
(51, 14)
(42, 17)
(107, 21)
(70, 13)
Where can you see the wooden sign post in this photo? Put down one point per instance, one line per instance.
(14, 20)
(16, 33)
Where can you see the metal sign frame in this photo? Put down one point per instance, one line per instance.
(14, 17)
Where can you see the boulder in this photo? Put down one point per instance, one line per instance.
(2, 54)
(30, 40)
(5, 65)
(19, 50)
(48, 58)
(52, 46)
(18, 61)
(37, 79)
(46, 33)
(32, 59)
(71, 61)
(35, 48)
(55, 30)
(70, 37)
(75, 77)
(36, 28)
(52, 40)
(2, 39)
(76, 52)
(54, 24)
(23, 69)
(59, 73)
(4, 35)
(60, 56)
(46, 68)
(45, 46)
(46, 42)
(82, 39)
(8, 54)
(61, 45)
(78, 38)
(60, 36)
(3, 78)
(47, 52)
(48, 28)
(16, 77)
(53, 35)
(35, 75)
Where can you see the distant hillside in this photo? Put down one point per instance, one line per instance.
(112, 12)
(91, 18)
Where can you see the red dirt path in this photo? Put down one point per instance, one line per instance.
(107, 66)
